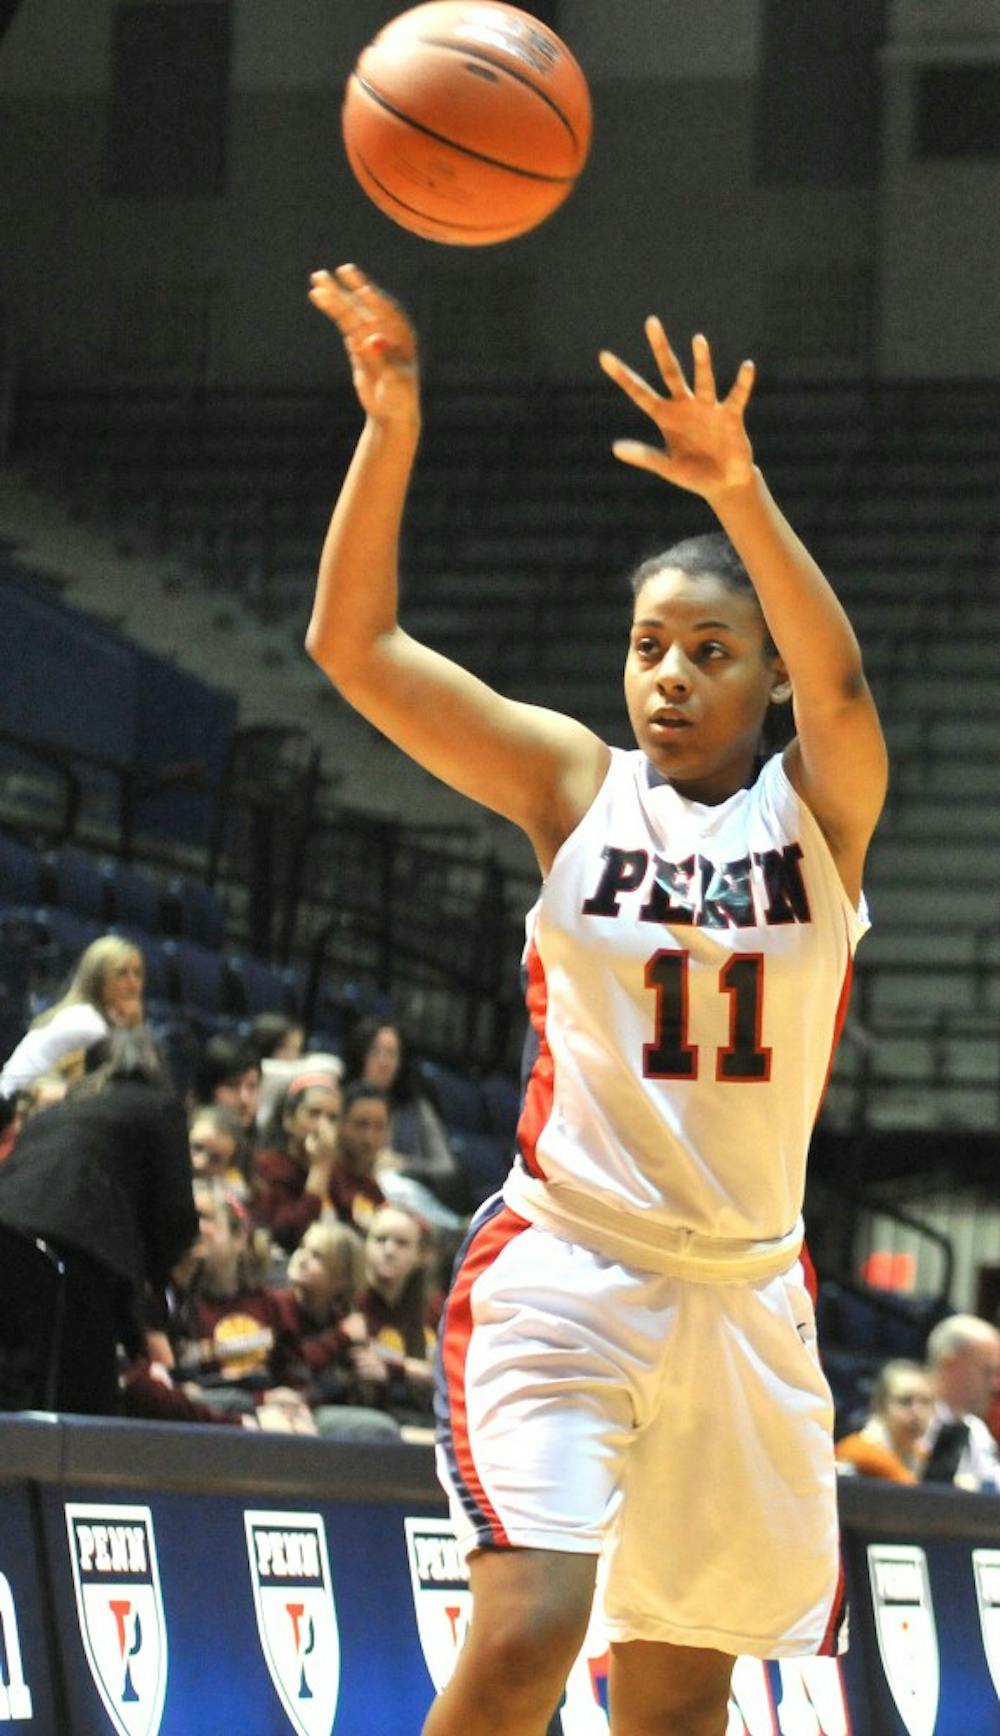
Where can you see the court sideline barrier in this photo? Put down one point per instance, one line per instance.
(160, 1580)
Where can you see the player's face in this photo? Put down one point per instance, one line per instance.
(698, 681)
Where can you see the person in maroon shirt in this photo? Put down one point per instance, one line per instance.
(291, 1171)
(400, 1312)
(238, 1338)
(362, 1135)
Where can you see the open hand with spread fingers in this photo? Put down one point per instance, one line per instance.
(380, 342)
(705, 444)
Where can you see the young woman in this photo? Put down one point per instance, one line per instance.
(398, 1311)
(104, 993)
(292, 1170)
(378, 1053)
(627, 1356)
(890, 1443)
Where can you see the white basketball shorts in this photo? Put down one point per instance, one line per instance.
(682, 1428)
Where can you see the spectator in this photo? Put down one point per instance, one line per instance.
(326, 1273)
(889, 1444)
(381, 1056)
(103, 993)
(398, 1313)
(292, 1170)
(378, 1054)
(963, 1354)
(362, 1134)
(47, 1089)
(219, 1147)
(277, 1075)
(105, 1178)
(276, 1037)
(234, 1337)
(227, 1071)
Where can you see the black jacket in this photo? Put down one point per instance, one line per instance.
(108, 1174)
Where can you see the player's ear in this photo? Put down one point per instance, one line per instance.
(781, 689)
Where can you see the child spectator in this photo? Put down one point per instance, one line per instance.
(291, 1172)
(399, 1314)
(219, 1148)
(326, 1275)
(241, 1337)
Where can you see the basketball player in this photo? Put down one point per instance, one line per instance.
(627, 1361)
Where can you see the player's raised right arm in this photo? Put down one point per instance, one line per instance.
(536, 767)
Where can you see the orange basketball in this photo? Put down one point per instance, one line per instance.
(467, 123)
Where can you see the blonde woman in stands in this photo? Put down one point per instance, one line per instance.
(627, 1358)
(104, 992)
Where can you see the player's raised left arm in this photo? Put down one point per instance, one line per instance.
(838, 759)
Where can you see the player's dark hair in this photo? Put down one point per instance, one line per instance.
(711, 555)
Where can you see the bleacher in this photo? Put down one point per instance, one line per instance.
(521, 530)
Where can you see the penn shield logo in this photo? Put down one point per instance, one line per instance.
(15, 1694)
(116, 1578)
(296, 1617)
(441, 1596)
(986, 1567)
(907, 1634)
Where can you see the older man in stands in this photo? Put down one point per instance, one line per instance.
(963, 1356)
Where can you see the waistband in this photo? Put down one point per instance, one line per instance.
(623, 1236)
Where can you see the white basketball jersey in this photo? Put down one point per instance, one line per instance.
(687, 977)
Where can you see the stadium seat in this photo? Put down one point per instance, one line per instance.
(259, 987)
(20, 877)
(485, 1159)
(137, 896)
(502, 1098)
(194, 911)
(461, 1101)
(79, 883)
(198, 976)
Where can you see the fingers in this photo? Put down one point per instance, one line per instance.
(742, 387)
(670, 368)
(631, 383)
(642, 457)
(704, 374)
(361, 312)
